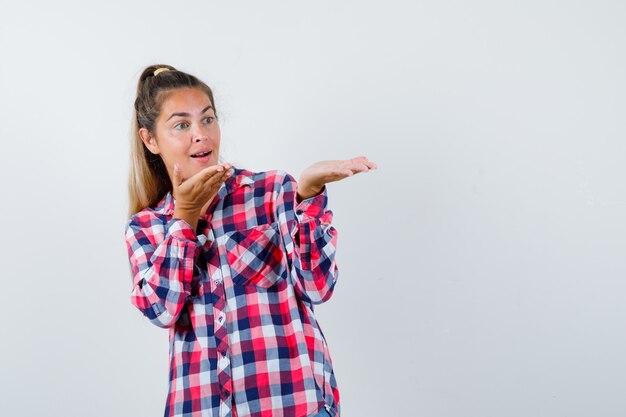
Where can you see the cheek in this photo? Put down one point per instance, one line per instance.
(173, 152)
(217, 138)
(217, 143)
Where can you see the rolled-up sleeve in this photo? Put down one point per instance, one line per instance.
(162, 265)
(310, 241)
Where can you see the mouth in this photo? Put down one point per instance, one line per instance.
(201, 154)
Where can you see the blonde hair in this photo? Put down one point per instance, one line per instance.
(148, 181)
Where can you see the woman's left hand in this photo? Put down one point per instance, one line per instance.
(313, 178)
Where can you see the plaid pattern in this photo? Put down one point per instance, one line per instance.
(237, 296)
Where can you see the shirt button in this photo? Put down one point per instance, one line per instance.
(299, 211)
(218, 281)
(226, 393)
(223, 353)
(220, 318)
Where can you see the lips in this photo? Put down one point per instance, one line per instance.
(200, 154)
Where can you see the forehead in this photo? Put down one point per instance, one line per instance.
(184, 100)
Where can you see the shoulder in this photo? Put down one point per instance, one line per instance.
(151, 220)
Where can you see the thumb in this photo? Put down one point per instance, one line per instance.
(178, 176)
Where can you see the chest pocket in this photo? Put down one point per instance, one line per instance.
(255, 255)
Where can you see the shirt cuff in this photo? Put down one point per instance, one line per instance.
(180, 230)
(312, 207)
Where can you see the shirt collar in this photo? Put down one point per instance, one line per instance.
(239, 178)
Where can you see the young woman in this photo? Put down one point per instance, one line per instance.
(230, 261)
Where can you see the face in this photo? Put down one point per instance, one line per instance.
(185, 133)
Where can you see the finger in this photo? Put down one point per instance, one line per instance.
(212, 186)
(349, 163)
(355, 168)
(358, 159)
(209, 172)
(363, 160)
(217, 178)
(201, 177)
(363, 166)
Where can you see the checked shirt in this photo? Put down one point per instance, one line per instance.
(237, 296)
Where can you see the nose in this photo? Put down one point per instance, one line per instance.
(200, 133)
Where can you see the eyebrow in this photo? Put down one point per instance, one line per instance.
(187, 114)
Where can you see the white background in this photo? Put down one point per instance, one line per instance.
(481, 266)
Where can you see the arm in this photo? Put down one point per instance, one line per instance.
(162, 253)
(310, 241)
(162, 264)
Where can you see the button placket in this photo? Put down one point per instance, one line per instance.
(220, 331)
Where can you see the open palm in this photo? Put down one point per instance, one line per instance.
(314, 177)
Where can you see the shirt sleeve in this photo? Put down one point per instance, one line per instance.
(162, 266)
(310, 241)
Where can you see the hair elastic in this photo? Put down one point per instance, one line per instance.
(160, 70)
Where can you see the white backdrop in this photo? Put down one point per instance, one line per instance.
(481, 266)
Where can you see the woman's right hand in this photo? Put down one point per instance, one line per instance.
(194, 194)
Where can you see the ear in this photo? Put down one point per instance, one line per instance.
(149, 140)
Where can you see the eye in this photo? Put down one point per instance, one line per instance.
(181, 125)
(209, 119)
